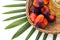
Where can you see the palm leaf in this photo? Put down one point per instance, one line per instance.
(45, 36)
(54, 36)
(15, 17)
(15, 5)
(16, 23)
(30, 33)
(21, 21)
(15, 11)
(21, 30)
(38, 35)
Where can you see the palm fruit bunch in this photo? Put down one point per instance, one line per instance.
(40, 14)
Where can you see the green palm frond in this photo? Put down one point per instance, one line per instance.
(31, 32)
(16, 5)
(15, 11)
(16, 23)
(21, 30)
(38, 35)
(45, 36)
(15, 17)
(21, 21)
(54, 36)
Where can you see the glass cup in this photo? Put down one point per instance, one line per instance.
(55, 6)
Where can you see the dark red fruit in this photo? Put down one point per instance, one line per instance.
(35, 10)
(45, 11)
(38, 3)
(41, 3)
(33, 16)
(38, 25)
(52, 17)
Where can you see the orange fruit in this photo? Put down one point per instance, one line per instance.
(34, 3)
(45, 23)
(33, 16)
(39, 18)
(51, 17)
(46, 1)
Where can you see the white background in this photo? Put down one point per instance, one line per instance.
(7, 34)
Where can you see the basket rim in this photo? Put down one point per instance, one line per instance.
(40, 29)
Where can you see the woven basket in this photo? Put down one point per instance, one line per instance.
(52, 28)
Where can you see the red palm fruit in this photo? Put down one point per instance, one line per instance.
(35, 10)
(35, 3)
(44, 8)
(52, 17)
(38, 3)
(39, 19)
(45, 11)
(33, 16)
(41, 3)
(46, 1)
(38, 25)
(45, 23)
